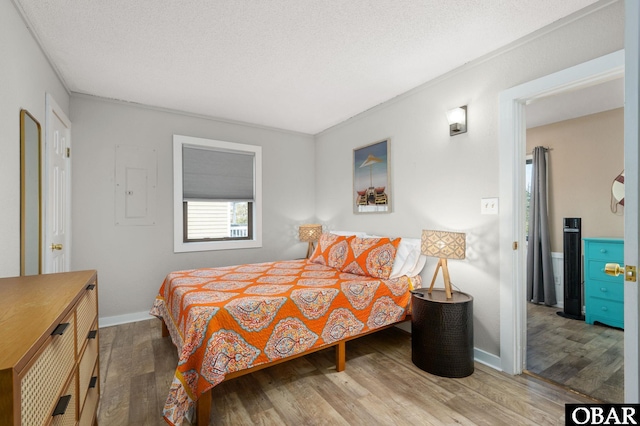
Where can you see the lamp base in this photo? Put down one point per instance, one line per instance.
(310, 249)
(442, 263)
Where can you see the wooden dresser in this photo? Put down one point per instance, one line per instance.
(49, 362)
(603, 294)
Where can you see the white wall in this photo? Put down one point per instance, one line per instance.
(132, 261)
(579, 181)
(438, 180)
(25, 77)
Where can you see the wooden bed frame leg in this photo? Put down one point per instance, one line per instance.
(203, 409)
(341, 356)
(165, 330)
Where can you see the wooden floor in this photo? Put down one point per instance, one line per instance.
(586, 358)
(380, 386)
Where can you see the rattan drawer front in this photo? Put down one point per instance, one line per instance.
(91, 403)
(68, 418)
(86, 314)
(43, 381)
(86, 367)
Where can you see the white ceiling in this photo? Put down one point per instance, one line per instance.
(301, 65)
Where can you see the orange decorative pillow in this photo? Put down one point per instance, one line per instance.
(332, 250)
(372, 257)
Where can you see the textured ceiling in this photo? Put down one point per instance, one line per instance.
(302, 65)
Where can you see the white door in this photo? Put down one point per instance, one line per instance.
(631, 228)
(57, 189)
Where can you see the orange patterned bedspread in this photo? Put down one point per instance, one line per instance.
(232, 318)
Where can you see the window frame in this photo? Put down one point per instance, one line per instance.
(179, 245)
(527, 204)
(529, 179)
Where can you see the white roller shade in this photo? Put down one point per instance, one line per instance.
(209, 174)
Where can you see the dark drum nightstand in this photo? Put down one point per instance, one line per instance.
(442, 332)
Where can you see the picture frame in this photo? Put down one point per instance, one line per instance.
(372, 178)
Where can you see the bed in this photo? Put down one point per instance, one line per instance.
(233, 320)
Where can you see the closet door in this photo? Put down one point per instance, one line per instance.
(58, 189)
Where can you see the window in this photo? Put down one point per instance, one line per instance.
(217, 194)
(528, 176)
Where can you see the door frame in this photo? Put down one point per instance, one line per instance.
(631, 220)
(512, 136)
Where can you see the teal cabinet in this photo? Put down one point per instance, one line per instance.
(604, 294)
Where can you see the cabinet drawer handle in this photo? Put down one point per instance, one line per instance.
(61, 406)
(91, 286)
(604, 308)
(603, 250)
(60, 329)
(603, 289)
(93, 382)
(92, 334)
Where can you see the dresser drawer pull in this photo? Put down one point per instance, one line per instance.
(60, 329)
(93, 382)
(61, 406)
(603, 289)
(91, 286)
(92, 334)
(603, 250)
(604, 308)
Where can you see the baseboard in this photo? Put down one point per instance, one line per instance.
(124, 319)
(487, 359)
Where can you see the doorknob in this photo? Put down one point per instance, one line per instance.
(56, 247)
(614, 270)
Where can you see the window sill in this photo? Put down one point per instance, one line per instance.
(181, 247)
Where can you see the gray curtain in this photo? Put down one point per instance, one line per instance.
(540, 284)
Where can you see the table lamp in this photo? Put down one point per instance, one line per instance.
(310, 233)
(443, 245)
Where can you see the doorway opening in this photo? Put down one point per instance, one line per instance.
(513, 306)
(561, 347)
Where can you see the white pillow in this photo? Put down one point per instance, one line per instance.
(349, 233)
(422, 260)
(409, 261)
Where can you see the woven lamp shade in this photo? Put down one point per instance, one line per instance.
(443, 244)
(310, 232)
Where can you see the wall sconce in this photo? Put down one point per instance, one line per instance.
(457, 118)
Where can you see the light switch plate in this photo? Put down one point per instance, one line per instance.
(489, 206)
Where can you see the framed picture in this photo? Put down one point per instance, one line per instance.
(371, 178)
